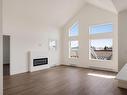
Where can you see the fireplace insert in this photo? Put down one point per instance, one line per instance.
(40, 61)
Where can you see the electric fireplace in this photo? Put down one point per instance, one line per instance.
(40, 61)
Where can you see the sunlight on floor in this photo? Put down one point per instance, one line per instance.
(103, 76)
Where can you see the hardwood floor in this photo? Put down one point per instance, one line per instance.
(6, 69)
(62, 80)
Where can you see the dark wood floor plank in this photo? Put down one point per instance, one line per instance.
(62, 80)
(6, 69)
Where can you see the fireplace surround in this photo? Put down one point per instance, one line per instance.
(38, 60)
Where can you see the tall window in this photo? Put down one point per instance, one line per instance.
(100, 42)
(104, 28)
(74, 46)
(74, 30)
(73, 41)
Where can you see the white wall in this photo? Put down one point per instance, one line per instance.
(23, 22)
(1, 63)
(88, 16)
(6, 49)
(122, 35)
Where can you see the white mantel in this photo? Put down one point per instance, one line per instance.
(37, 55)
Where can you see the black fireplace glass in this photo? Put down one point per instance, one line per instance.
(40, 61)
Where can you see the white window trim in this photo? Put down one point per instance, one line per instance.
(99, 36)
(73, 38)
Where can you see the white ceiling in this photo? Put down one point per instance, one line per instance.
(66, 9)
(105, 4)
(111, 5)
(59, 12)
(120, 4)
(53, 12)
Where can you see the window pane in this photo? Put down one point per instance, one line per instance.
(74, 46)
(101, 28)
(101, 49)
(74, 30)
(52, 45)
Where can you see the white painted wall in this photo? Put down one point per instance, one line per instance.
(24, 22)
(6, 49)
(122, 35)
(88, 16)
(1, 62)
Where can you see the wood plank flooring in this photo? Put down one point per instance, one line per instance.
(6, 69)
(62, 80)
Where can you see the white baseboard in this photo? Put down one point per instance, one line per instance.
(99, 68)
(90, 67)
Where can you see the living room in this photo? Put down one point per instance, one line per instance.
(82, 40)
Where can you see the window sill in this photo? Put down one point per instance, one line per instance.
(100, 60)
(73, 58)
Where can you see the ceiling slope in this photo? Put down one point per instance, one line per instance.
(114, 6)
(104, 4)
(56, 12)
(120, 5)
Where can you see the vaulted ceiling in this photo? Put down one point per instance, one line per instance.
(56, 12)
(111, 5)
(120, 5)
(74, 6)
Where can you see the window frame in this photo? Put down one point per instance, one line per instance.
(73, 38)
(100, 36)
(70, 49)
(69, 34)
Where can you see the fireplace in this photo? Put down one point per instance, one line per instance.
(40, 61)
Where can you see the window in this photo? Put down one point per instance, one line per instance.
(74, 30)
(101, 28)
(52, 44)
(74, 47)
(73, 41)
(100, 48)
